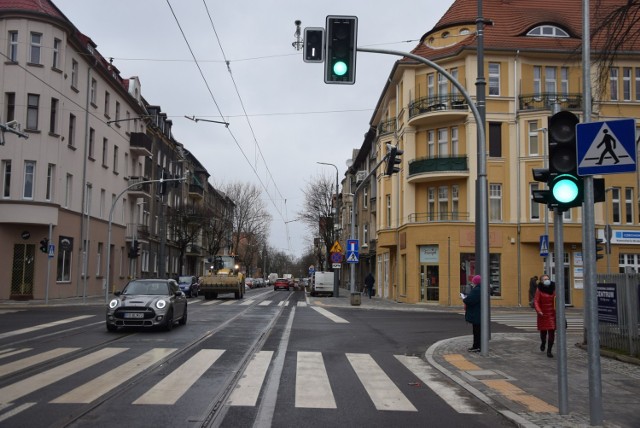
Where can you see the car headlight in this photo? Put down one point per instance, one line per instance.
(160, 304)
(113, 303)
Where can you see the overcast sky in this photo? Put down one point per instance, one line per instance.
(294, 118)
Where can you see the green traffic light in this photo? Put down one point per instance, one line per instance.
(340, 68)
(565, 189)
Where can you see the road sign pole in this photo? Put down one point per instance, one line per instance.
(46, 292)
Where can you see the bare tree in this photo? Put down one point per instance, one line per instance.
(184, 228)
(317, 213)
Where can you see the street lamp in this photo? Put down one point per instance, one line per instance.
(333, 232)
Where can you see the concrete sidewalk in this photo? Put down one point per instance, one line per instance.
(519, 381)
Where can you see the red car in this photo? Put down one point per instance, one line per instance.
(281, 284)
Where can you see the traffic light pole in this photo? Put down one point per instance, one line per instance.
(558, 236)
(482, 216)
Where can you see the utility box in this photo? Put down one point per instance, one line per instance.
(356, 299)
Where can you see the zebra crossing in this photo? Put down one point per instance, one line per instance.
(313, 390)
(247, 302)
(528, 321)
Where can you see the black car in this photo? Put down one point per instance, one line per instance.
(190, 285)
(147, 303)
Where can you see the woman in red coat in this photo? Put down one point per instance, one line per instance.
(544, 304)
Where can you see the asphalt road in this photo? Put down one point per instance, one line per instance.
(266, 360)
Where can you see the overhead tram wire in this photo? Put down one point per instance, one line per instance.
(220, 111)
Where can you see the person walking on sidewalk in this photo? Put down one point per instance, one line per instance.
(544, 304)
(369, 280)
(472, 312)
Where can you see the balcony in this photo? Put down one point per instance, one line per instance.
(387, 127)
(142, 190)
(137, 231)
(196, 191)
(439, 217)
(140, 144)
(427, 110)
(546, 100)
(193, 250)
(435, 169)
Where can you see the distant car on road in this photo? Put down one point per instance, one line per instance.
(147, 303)
(281, 284)
(190, 285)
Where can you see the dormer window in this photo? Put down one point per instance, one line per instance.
(464, 31)
(547, 31)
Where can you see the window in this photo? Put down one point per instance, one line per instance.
(430, 90)
(55, 61)
(117, 112)
(107, 101)
(431, 203)
(65, 252)
(72, 131)
(87, 201)
(92, 144)
(12, 49)
(74, 73)
(495, 202)
(455, 207)
(537, 79)
(615, 204)
(431, 146)
(68, 189)
(35, 47)
(388, 200)
(53, 120)
(534, 145)
(127, 116)
(454, 141)
(365, 197)
(443, 87)
(454, 91)
(443, 142)
(534, 210)
(10, 111)
(115, 160)
(103, 196)
(99, 259)
(564, 81)
(33, 102)
(550, 80)
(365, 234)
(105, 151)
(126, 164)
(495, 139)
(6, 178)
(443, 202)
(494, 78)
(29, 179)
(637, 84)
(547, 31)
(613, 84)
(51, 169)
(626, 83)
(93, 91)
(628, 205)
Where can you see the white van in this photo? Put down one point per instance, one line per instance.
(322, 284)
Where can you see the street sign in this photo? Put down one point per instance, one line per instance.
(337, 265)
(337, 248)
(52, 250)
(544, 245)
(336, 257)
(312, 270)
(607, 147)
(352, 251)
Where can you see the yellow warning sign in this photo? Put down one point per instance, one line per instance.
(336, 248)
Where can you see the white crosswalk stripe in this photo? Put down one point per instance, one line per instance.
(24, 363)
(313, 389)
(528, 321)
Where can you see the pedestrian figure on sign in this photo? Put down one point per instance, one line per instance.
(472, 311)
(545, 305)
(609, 146)
(368, 282)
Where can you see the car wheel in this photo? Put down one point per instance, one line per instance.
(169, 320)
(112, 328)
(183, 320)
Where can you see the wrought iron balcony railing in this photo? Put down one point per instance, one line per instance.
(546, 100)
(437, 103)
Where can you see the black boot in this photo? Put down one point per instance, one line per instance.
(549, 354)
(542, 347)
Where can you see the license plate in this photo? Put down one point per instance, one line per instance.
(133, 315)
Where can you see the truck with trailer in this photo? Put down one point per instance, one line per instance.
(222, 277)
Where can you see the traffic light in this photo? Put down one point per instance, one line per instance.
(44, 245)
(599, 248)
(341, 45)
(566, 187)
(393, 160)
(541, 196)
(313, 44)
(134, 251)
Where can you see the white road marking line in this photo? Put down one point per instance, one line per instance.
(332, 317)
(12, 351)
(381, 389)
(248, 388)
(43, 326)
(99, 386)
(265, 303)
(171, 388)
(228, 302)
(302, 304)
(17, 390)
(313, 390)
(15, 411)
(247, 302)
(281, 303)
(424, 372)
(33, 360)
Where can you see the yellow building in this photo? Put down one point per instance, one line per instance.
(422, 224)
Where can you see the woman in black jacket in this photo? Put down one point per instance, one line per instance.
(472, 312)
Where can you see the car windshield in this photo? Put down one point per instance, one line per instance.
(146, 287)
(184, 280)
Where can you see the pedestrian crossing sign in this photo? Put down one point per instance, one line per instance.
(606, 147)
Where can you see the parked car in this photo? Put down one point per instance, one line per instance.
(258, 283)
(281, 284)
(190, 285)
(249, 282)
(147, 303)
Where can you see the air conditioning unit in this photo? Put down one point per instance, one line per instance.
(360, 176)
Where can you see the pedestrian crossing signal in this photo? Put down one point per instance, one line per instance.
(44, 245)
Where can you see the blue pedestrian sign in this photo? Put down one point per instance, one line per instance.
(544, 245)
(52, 251)
(607, 147)
(352, 251)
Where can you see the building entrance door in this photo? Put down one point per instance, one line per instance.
(429, 283)
(23, 271)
